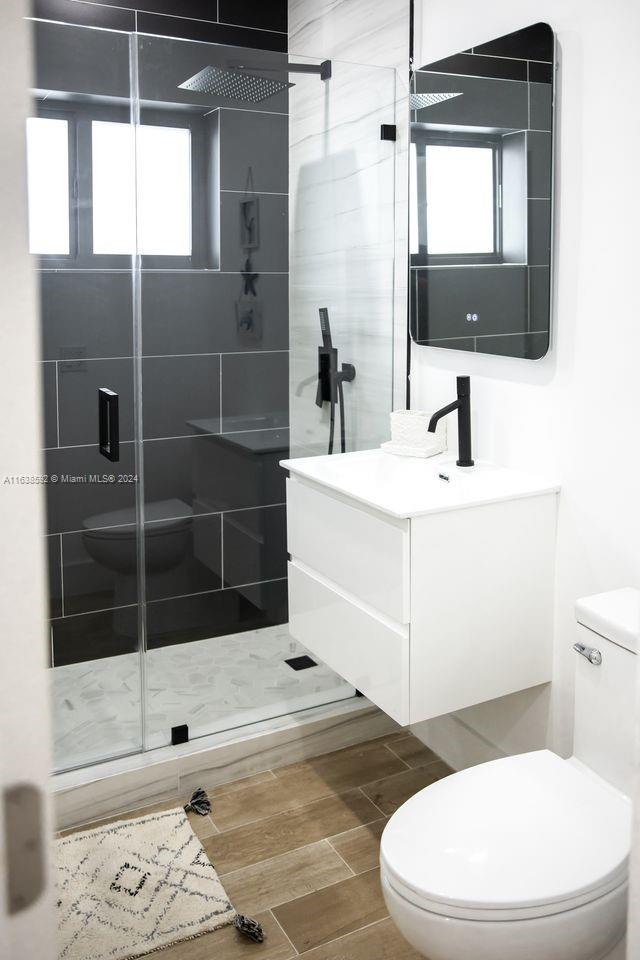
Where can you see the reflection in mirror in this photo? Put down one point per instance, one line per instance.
(481, 173)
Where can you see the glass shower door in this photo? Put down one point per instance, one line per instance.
(82, 232)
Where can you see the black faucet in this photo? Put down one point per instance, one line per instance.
(463, 406)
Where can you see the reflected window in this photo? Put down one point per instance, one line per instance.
(48, 185)
(455, 200)
(163, 184)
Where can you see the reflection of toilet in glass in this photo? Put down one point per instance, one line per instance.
(527, 856)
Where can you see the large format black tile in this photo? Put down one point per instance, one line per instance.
(216, 614)
(178, 393)
(210, 313)
(87, 502)
(255, 391)
(81, 61)
(271, 254)
(99, 569)
(85, 14)
(526, 346)
(541, 72)
(541, 106)
(258, 142)
(78, 385)
(484, 103)
(92, 636)
(539, 229)
(255, 13)
(50, 404)
(531, 43)
(255, 545)
(497, 295)
(183, 555)
(471, 65)
(460, 343)
(214, 473)
(539, 164)
(85, 315)
(54, 569)
(184, 29)
(539, 298)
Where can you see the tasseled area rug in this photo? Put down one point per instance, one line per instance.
(135, 886)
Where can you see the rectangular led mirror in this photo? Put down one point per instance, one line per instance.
(481, 176)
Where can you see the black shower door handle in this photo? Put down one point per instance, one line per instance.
(109, 424)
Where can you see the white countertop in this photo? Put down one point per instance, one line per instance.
(406, 487)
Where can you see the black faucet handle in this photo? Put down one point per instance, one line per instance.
(463, 384)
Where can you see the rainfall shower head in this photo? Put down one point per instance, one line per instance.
(234, 84)
(418, 101)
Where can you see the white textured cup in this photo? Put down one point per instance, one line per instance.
(409, 428)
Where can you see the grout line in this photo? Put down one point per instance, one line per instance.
(276, 856)
(371, 801)
(61, 584)
(57, 407)
(278, 924)
(343, 935)
(334, 836)
(401, 759)
(260, 193)
(338, 854)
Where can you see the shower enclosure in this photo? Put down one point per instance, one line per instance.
(159, 212)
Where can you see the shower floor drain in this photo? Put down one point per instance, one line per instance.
(301, 663)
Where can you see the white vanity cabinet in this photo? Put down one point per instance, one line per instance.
(432, 611)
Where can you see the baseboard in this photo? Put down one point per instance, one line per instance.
(120, 785)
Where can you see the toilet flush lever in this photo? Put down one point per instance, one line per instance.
(592, 655)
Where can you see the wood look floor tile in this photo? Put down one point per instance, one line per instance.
(284, 878)
(380, 941)
(332, 912)
(288, 831)
(127, 815)
(298, 784)
(391, 793)
(413, 751)
(228, 944)
(220, 789)
(360, 848)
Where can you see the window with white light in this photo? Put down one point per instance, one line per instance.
(455, 208)
(48, 185)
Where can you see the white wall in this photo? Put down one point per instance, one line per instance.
(24, 711)
(577, 412)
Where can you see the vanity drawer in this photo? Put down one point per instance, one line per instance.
(367, 650)
(365, 554)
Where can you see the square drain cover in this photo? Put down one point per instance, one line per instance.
(301, 663)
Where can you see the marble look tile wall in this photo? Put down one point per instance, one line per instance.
(348, 214)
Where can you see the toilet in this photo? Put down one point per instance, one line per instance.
(526, 857)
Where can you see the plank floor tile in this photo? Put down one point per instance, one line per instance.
(228, 944)
(380, 941)
(287, 831)
(412, 751)
(284, 878)
(360, 848)
(332, 912)
(391, 793)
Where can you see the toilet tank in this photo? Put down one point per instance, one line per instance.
(605, 693)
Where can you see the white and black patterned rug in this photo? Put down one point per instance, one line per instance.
(132, 887)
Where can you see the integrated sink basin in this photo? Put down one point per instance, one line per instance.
(405, 487)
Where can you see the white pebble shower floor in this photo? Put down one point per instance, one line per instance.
(211, 685)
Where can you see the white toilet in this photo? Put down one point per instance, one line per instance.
(526, 858)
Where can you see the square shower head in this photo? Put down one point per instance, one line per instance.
(234, 84)
(418, 101)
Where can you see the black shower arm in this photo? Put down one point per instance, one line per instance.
(322, 69)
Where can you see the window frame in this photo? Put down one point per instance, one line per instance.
(426, 137)
(80, 117)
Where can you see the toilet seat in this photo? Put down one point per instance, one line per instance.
(517, 838)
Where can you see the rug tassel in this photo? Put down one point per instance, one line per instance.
(249, 928)
(199, 803)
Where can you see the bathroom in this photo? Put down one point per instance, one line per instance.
(197, 623)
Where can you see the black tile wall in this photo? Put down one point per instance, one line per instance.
(528, 346)
(539, 229)
(539, 294)
(462, 343)
(86, 315)
(541, 72)
(497, 294)
(255, 391)
(540, 106)
(539, 164)
(255, 142)
(78, 385)
(183, 556)
(196, 325)
(180, 396)
(470, 65)
(530, 43)
(216, 614)
(255, 545)
(272, 253)
(484, 102)
(208, 306)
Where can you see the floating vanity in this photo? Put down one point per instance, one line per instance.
(427, 586)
